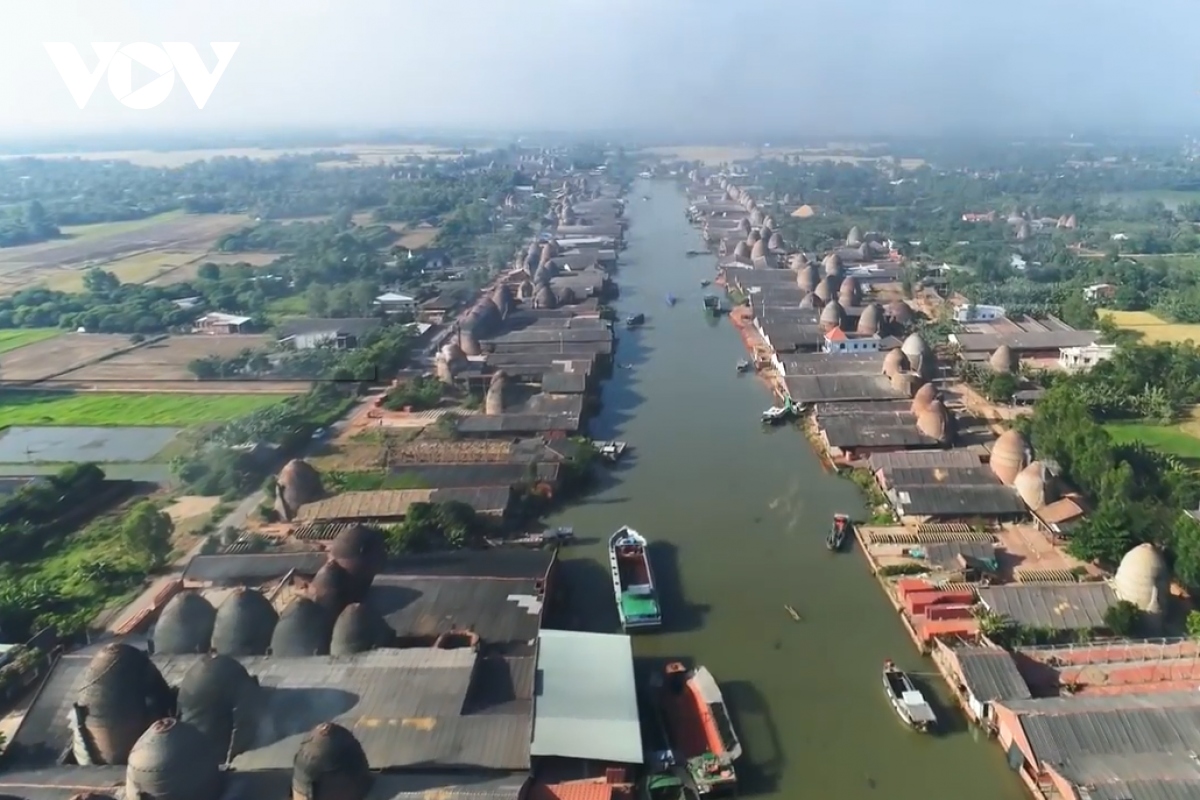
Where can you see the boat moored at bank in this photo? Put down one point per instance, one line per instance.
(839, 531)
(907, 700)
(696, 719)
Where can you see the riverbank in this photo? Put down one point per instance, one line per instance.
(736, 515)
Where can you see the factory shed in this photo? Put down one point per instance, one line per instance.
(957, 502)
(857, 437)
(1115, 747)
(984, 675)
(1024, 343)
(1060, 607)
(412, 708)
(856, 407)
(501, 611)
(791, 337)
(393, 504)
(585, 704)
(975, 558)
(926, 459)
(559, 382)
(841, 364)
(519, 424)
(916, 477)
(836, 388)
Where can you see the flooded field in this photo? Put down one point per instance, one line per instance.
(19, 445)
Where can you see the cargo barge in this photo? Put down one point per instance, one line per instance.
(633, 581)
(698, 728)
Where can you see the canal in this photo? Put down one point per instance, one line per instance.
(737, 516)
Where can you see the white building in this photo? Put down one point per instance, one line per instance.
(396, 303)
(838, 341)
(1075, 359)
(976, 312)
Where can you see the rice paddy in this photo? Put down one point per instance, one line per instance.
(104, 409)
(1152, 328)
(19, 337)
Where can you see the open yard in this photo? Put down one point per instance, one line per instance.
(97, 409)
(162, 367)
(98, 245)
(1152, 328)
(1178, 439)
(13, 339)
(50, 356)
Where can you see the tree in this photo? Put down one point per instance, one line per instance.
(209, 272)
(1193, 624)
(1123, 618)
(147, 534)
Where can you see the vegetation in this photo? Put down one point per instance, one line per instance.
(436, 526)
(897, 570)
(998, 387)
(419, 394)
(1123, 618)
(114, 410)
(11, 340)
(228, 461)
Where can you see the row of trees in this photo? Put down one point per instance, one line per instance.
(26, 225)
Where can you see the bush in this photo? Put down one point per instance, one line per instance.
(896, 570)
(1123, 618)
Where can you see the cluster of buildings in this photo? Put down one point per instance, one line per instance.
(334, 673)
(977, 517)
(323, 670)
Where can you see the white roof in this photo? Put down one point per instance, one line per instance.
(585, 698)
(222, 318)
(394, 297)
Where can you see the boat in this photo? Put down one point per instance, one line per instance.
(744, 365)
(698, 728)
(610, 451)
(695, 253)
(633, 581)
(705, 282)
(634, 320)
(670, 299)
(907, 699)
(792, 612)
(712, 303)
(777, 414)
(838, 532)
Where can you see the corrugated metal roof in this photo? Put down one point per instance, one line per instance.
(565, 382)
(554, 335)
(835, 364)
(585, 704)
(832, 388)
(407, 708)
(1076, 606)
(924, 459)
(273, 784)
(945, 554)
(518, 423)
(991, 674)
(957, 501)
(904, 477)
(861, 407)
(892, 430)
(1041, 340)
(500, 611)
(63, 782)
(250, 568)
(1163, 789)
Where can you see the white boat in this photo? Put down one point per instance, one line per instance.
(633, 581)
(611, 451)
(907, 699)
(777, 414)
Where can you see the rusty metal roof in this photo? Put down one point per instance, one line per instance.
(1068, 606)
(991, 674)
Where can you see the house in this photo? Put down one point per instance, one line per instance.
(1099, 291)
(338, 334)
(215, 322)
(188, 303)
(977, 312)
(396, 303)
(971, 216)
(838, 341)
(1082, 358)
(436, 309)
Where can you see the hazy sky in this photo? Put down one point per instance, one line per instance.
(682, 67)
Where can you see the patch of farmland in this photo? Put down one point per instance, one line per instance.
(367, 154)
(22, 337)
(162, 366)
(416, 238)
(117, 409)
(1152, 328)
(46, 358)
(25, 266)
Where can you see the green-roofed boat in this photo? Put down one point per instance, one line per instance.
(633, 581)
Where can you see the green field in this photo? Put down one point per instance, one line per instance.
(96, 410)
(1174, 439)
(96, 229)
(19, 337)
(294, 306)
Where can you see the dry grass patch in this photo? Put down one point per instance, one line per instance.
(43, 359)
(416, 238)
(1152, 328)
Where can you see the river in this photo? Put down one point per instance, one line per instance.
(737, 517)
